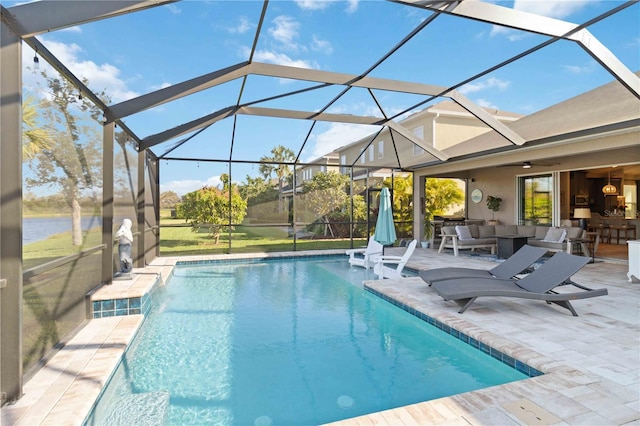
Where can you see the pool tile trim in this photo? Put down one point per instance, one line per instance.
(256, 259)
(124, 306)
(495, 353)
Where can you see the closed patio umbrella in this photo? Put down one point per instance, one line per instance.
(385, 230)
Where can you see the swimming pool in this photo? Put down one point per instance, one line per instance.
(294, 341)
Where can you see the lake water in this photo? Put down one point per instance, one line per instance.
(40, 228)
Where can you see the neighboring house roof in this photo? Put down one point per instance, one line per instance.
(606, 105)
(453, 107)
(442, 108)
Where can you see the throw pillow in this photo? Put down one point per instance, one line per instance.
(464, 233)
(555, 235)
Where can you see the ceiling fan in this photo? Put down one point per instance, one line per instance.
(528, 164)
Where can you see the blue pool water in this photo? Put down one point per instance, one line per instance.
(288, 342)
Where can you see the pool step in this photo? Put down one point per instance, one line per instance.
(140, 409)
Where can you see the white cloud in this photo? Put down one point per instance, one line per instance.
(489, 83)
(74, 29)
(511, 35)
(339, 134)
(552, 9)
(577, 69)
(352, 6)
(313, 4)
(182, 187)
(282, 59)
(174, 9)
(285, 30)
(243, 26)
(321, 45)
(101, 77)
(485, 103)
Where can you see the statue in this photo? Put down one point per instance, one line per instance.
(125, 239)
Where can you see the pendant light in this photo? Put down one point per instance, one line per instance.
(609, 189)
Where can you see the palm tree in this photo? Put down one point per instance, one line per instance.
(34, 139)
(279, 159)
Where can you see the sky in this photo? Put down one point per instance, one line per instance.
(140, 52)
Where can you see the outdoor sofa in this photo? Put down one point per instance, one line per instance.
(554, 239)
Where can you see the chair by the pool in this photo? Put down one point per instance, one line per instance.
(365, 257)
(384, 271)
(541, 284)
(514, 265)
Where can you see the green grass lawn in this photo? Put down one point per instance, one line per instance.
(178, 239)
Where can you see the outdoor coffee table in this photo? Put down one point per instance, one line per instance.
(509, 244)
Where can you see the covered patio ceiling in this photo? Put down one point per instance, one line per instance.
(260, 91)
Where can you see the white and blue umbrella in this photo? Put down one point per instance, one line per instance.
(385, 229)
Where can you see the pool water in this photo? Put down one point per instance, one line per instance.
(287, 342)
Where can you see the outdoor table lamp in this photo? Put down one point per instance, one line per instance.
(582, 213)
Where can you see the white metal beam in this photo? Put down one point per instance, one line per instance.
(413, 138)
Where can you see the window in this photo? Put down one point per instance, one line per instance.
(380, 150)
(418, 132)
(371, 157)
(363, 157)
(536, 200)
(343, 161)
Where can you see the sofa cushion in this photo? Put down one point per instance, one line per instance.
(555, 235)
(449, 230)
(574, 232)
(506, 230)
(463, 232)
(486, 231)
(527, 231)
(475, 233)
(477, 242)
(541, 232)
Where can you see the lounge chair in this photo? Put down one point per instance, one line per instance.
(538, 285)
(514, 265)
(400, 261)
(365, 257)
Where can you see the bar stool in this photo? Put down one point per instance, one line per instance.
(620, 224)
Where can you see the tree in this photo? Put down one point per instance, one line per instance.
(276, 164)
(327, 196)
(73, 161)
(402, 198)
(440, 194)
(209, 208)
(257, 191)
(34, 137)
(169, 199)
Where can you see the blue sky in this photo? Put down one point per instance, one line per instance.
(140, 52)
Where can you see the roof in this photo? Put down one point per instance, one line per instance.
(604, 106)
